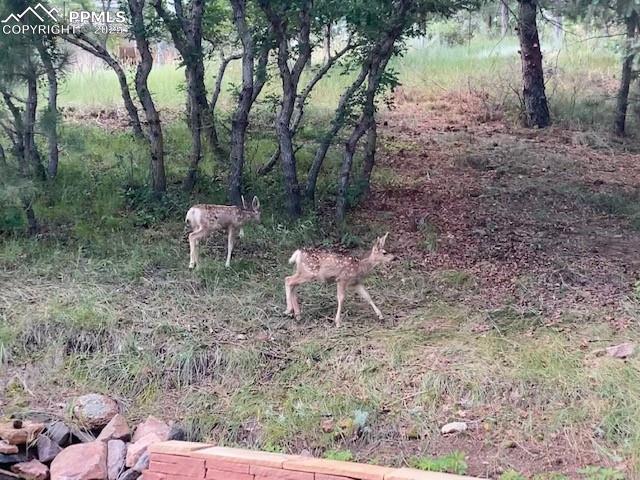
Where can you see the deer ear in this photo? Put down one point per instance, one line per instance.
(383, 240)
(244, 204)
(255, 204)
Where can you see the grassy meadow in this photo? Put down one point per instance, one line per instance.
(102, 299)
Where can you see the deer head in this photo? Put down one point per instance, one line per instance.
(254, 212)
(378, 254)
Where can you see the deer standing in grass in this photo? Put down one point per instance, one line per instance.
(347, 272)
(206, 219)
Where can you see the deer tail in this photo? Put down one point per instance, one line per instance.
(188, 220)
(296, 257)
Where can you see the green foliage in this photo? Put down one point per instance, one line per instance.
(342, 455)
(601, 473)
(512, 475)
(453, 462)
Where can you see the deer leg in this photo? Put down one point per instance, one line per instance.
(230, 246)
(341, 288)
(194, 239)
(290, 284)
(366, 297)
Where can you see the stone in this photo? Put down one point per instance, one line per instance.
(360, 471)
(84, 461)
(95, 410)
(453, 427)
(174, 447)
(327, 425)
(59, 433)
(143, 462)
(14, 458)
(18, 432)
(177, 433)
(186, 467)
(7, 448)
(7, 475)
(279, 474)
(623, 350)
(240, 455)
(116, 455)
(152, 425)
(32, 470)
(47, 449)
(116, 429)
(138, 448)
(82, 435)
(129, 475)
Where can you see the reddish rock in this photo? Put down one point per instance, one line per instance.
(19, 433)
(116, 429)
(7, 448)
(95, 410)
(84, 461)
(116, 454)
(138, 448)
(33, 470)
(152, 425)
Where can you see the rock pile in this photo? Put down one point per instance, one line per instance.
(104, 448)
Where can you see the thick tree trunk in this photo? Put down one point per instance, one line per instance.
(240, 119)
(91, 46)
(290, 77)
(504, 17)
(51, 127)
(287, 155)
(32, 157)
(195, 91)
(535, 100)
(622, 99)
(156, 141)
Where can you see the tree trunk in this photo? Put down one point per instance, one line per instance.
(337, 123)
(622, 100)
(211, 130)
(32, 157)
(240, 119)
(290, 77)
(369, 157)
(156, 141)
(51, 127)
(345, 169)
(195, 85)
(535, 100)
(504, 17)
(91, 46)
(287, 155)
(327, 43)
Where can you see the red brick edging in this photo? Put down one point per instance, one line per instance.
(175, 460)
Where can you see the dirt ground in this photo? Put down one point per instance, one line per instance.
(519, 209)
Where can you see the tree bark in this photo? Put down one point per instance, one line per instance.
(327, 43)
(622, 99)
(211, 130)
(240, 119)
(51, 128)
(535, 100)
(32, 157)
(301, 102)
(290, 77)
(91, 46)
(504, 17)
(186, 31)
(369, 158)
(155, 137)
